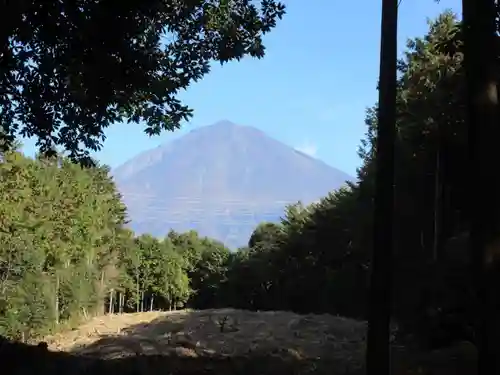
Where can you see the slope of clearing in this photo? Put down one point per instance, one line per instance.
(229, 342)
(225, 332)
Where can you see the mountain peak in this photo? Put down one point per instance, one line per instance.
(227, 131)
(222, 180)
(224, 124)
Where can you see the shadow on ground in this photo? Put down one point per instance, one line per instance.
(21, 359)
(219, 342)
(191, 344)
(228, 332)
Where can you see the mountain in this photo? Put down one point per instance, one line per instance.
(221, 180)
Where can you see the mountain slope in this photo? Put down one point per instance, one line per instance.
(221, 180)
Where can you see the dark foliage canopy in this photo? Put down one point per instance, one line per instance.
(69, 69)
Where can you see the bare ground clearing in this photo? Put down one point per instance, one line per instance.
(224, 332)
(228, 341)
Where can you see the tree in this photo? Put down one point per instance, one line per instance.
(265, 233)
(481, 72)
(64, 80)
(431, 146)
(59, 230)
(208, 274)
(378, 351)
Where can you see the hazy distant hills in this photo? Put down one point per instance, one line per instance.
(221, 180)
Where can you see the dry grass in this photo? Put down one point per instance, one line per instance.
(228, 341)
(225, 332)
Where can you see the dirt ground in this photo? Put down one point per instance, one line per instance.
(236, 341)
(225, 332)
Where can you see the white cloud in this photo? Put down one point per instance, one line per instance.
(307, 148)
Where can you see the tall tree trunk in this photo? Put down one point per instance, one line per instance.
(111, 302)
(480, 68)
(100, 308)
(442, 221)
(122, 302)
(438, 202)
(142, 301)
(138, 295)
(378, 339)
(56, 301)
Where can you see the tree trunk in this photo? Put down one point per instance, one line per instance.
(151, 302)
(101, 307)
(480, 51)
(111, 302)
(118, 302)
(379, 315)
(56, 301)
(138, 302)
(142, 301)
(122, 302)
(438, 202)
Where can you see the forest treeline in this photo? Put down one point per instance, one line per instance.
(65, 252)
(66, 255)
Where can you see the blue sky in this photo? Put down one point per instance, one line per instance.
(310, 91)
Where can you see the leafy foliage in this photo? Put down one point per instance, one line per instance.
(64, 80)
(65, 253)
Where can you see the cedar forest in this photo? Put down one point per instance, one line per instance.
(66, 254)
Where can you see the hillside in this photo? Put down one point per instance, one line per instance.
(221, 180)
